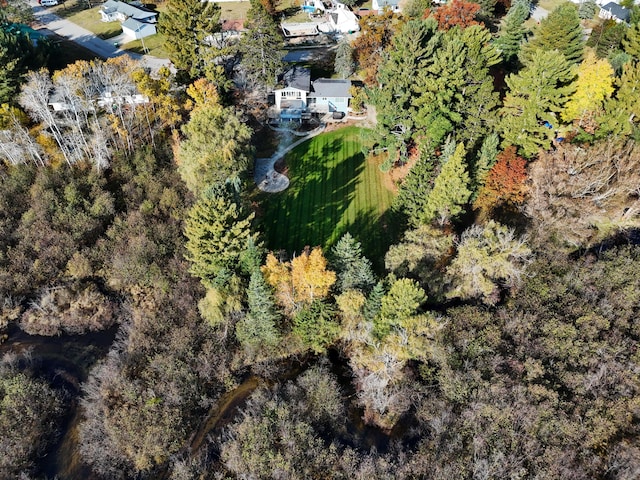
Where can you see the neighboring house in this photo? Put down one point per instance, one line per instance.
(615, 12)
(135, 29)
(60, 103)
(137, 21)
(381, 5)
(300, 97)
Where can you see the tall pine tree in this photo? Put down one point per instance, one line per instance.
(218, 231)
(259, 327)
(411, 48)
(185, 26)
(561, 31)
(353, 269)
(512, 31)
(261, 48)
(536, 94)
(450, 193)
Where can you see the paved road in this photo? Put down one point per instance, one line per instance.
(105, 49)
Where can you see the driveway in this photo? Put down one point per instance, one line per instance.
(106, 49)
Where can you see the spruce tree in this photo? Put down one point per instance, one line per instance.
(261, 48)
(353, 269)
(450, 191)
(631, 41)
(454, 92)
(411, 47)
(259, 327)
(561, 31)
(218, 230)
(412, 194)
(484, 162)
(185, 26)
(536, 94)
(512, 31)
(216, 148)
(344, 64)
(622, 115)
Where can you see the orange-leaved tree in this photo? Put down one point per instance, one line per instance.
(506, 182)
(457, 13)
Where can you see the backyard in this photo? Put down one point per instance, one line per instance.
(334, 189)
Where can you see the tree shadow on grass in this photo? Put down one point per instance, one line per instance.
(307, 213)
(376, 233)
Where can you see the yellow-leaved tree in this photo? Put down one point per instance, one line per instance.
(301, 281)
(593, 86)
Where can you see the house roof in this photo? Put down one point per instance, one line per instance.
(131, 11)
(388, 3)
(325, 87)
(617, 11)
(297, 77)
(133, 24)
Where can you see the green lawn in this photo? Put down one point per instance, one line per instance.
(90, 19)
(154, 45)
(334, 189)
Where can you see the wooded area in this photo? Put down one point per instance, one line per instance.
(496, 336)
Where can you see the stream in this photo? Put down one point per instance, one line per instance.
(65, 361)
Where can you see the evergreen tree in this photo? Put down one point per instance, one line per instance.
(593, 86)
(484, 162)
(512, 31)
(450, 191)
(217, 148)
(631, 41)
(374, 301)
(344, 64)
(401, 302)
(455, 90)
(353, 269)
(410, 48)
(587, 10)
(412, 194)
(622, 115)
(259, 327)
(186, 26)
(607, 38)
(261, 48)
(316, 326)
(536, 94)
(18, 55)
(561, 31)
(218, 231)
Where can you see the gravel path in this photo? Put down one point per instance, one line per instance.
(266, 177)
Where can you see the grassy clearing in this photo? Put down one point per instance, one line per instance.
(334, 189)
(90, 19)
(234, 10)
(154, 45)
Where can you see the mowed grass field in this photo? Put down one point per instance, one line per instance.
(334, 189)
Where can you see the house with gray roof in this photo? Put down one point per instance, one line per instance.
(381, 5)
(299, 97)
(137, 21)
(615, 12)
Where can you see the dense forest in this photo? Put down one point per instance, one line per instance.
(497, 337)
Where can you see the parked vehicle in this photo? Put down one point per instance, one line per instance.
(48, 3)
